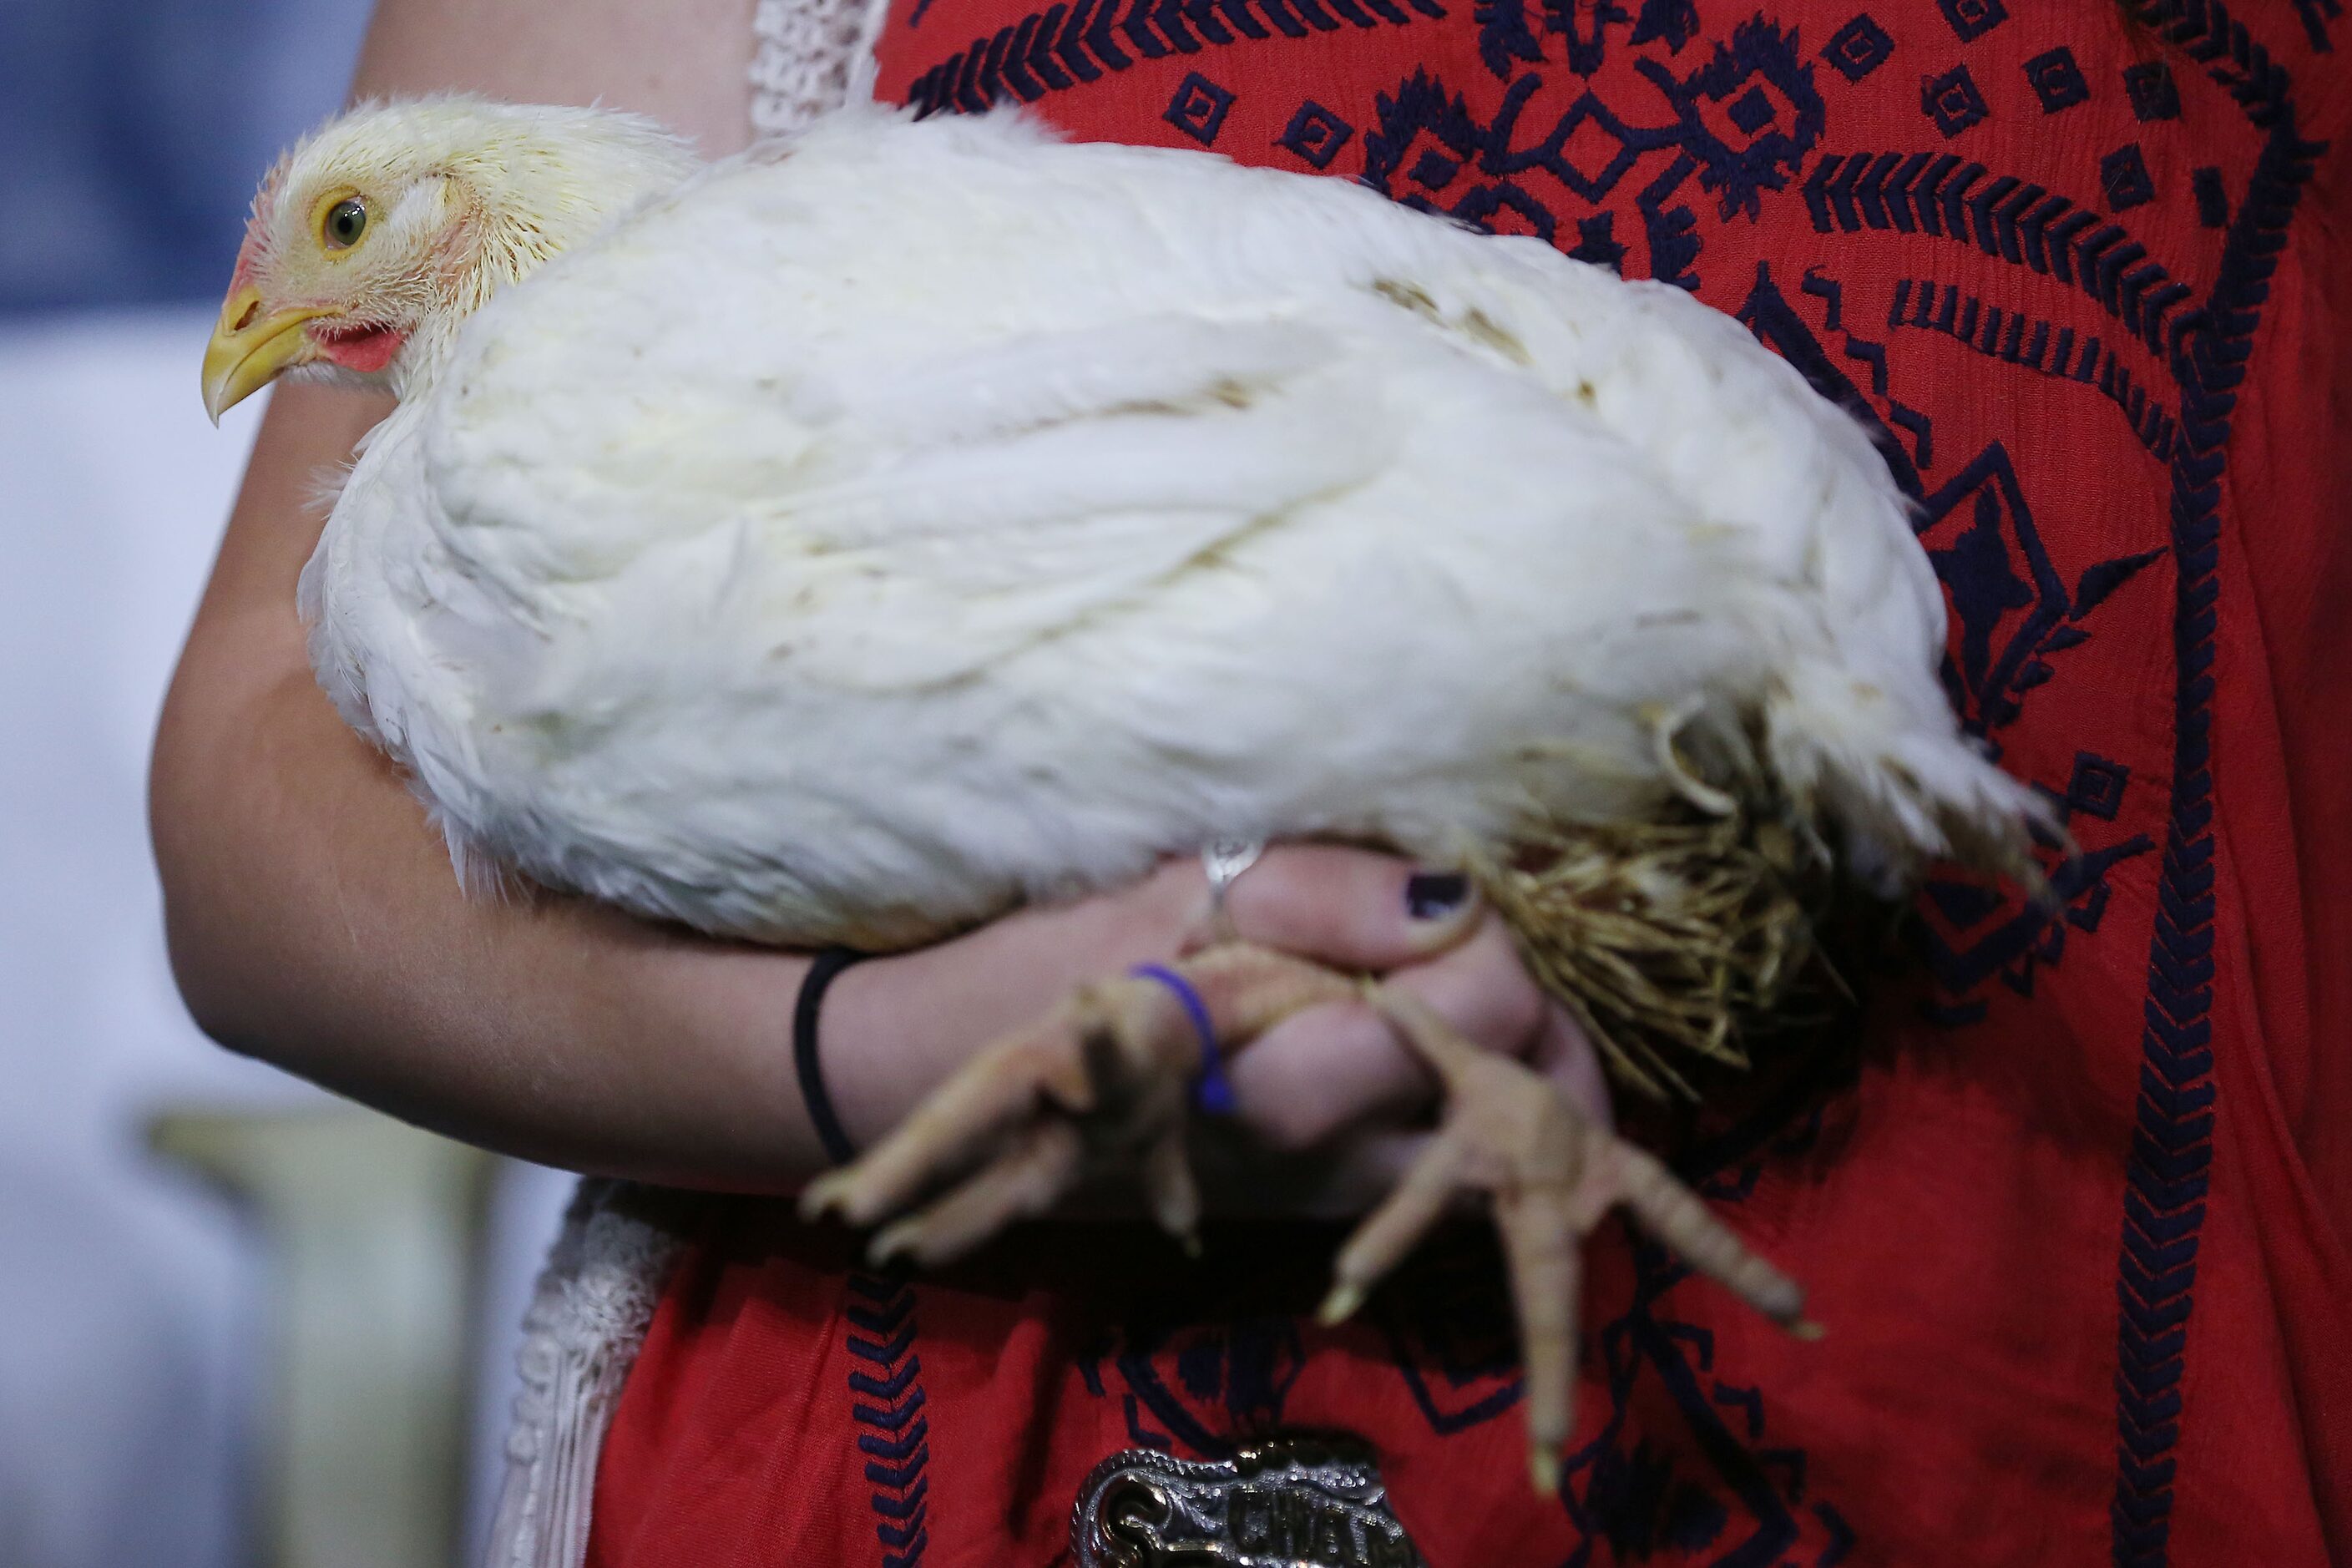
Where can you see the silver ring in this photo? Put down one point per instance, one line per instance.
(1224, 860)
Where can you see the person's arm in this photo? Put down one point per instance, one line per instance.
(313, 914)
(315, 921)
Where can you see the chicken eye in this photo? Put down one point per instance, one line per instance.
(346, 221)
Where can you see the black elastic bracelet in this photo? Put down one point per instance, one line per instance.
(822, 974)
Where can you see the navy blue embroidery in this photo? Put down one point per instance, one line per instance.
(1742, 123)
(1427, 139)
(2013, 609)
(1768, 313)
(2057, 80)
(1584, 25)
(2003, 217)
(1975, 567)
(1739, 1501)
(886, 1403)
(2014, 614)
(2233, 58)
(1192, 1390)
(1774, 110)
(1671, 232)
(1079, 40)
(2171, 1149)
(1504, 35)
(1952, 100)
(2315, 16)
(1673, 23)
(1434, 169)
(1586, 44)
(1589, 150)
(1862, 350)
(1858, 48)
(1841, 1537)
(2124, 174)
(2213, 201)
(1199, 109)
(1636, 1497)
(1419, 115)
(1972, 19)
(2097, 785)
(2154, 94)
(1451, 1337)
(1316, 134)
(1965, 945)
(1596, 241)
(2015, 338)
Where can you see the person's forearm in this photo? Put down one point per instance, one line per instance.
(315, 920)
(313, 915)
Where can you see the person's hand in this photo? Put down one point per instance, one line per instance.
(1332, 1092)
(1331, 1105)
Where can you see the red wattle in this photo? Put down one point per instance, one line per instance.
(363, 349)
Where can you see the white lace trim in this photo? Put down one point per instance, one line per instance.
(812, 55)
(587, 1319)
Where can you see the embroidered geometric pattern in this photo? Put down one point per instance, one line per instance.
(1952, 102)
(1078, 41)
(887, 1402)
(2057, 80)
(2053, 193)
(2004, 216)
(1858, 48)
(1178, 1390)
(2015, 338)
(2172, 1152)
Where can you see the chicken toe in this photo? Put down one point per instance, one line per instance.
(1551, 1173)
(1103, 1083)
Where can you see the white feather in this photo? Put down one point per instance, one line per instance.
(923, 516)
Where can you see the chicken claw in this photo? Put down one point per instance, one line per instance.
(1551, 1174)
(1102, 1082)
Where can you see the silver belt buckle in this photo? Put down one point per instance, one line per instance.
(1297, 1501)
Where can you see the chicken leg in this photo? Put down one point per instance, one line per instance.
(1104, 1083)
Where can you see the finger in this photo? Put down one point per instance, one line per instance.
(1352, 909)
(977, 1103)
(1390, 1231)
(1545, 1253)
(1564, 1055)
(1442, 1047)
(1026, 1179)
(1482, 990)
(1249, 989)
(1334, 1067)
(1321, 1072)
(1674, 1214)
(1169, 1190)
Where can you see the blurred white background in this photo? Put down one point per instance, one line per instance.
(145, 1313)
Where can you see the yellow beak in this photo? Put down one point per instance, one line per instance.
(249, 349)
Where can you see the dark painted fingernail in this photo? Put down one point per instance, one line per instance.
(1433, 895)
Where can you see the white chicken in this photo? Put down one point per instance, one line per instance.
(851, 540)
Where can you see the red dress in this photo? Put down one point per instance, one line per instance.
(2075, 1223)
